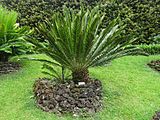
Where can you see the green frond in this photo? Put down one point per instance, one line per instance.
(75, 41)
(11, 35)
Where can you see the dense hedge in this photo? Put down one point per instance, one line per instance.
(152, 49)
(31, 12)
(140, 16)
(146, 15)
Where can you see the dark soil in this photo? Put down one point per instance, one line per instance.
(8, 67)
(156, 116)
(155, 65)
(69, 97)
(4, 56)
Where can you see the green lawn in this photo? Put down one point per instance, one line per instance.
(131, 91)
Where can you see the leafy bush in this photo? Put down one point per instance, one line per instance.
(141, 17)
(32, 12)
(151, 49)
(157, 38)
(11, 35)
(75, 43)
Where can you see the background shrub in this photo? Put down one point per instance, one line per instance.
(12, 37)
(140, 16)
(32, 12)
(151, 49)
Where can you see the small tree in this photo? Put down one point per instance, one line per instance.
(74, 41)
(11, 35)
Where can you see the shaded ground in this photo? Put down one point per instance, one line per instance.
(9, 67)
(131, 91)
(155, 64)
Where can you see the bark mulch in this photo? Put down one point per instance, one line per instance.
(68, 97)
(9, 67)
(155, 65)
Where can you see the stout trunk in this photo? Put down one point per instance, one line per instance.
(80, 76)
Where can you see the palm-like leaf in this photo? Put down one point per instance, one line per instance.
(74, 40)
(11, 35)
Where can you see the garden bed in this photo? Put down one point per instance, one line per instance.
(155, 65)
(121, 100)
(68, 97)
(156, 116)
(8, 67)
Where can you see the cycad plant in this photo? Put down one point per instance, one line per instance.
(75, 41)
(11, 35)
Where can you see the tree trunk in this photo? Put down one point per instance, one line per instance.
(80, 76)
(4, 57)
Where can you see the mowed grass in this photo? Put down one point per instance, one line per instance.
(131, 91)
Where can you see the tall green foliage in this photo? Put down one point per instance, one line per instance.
(32, 12)
(11, 35)
(152, 49)
(74, 41)
(140, 16)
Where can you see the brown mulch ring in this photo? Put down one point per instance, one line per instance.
(8, 67)
(155, 65)
(156, 116)
(69, 97)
